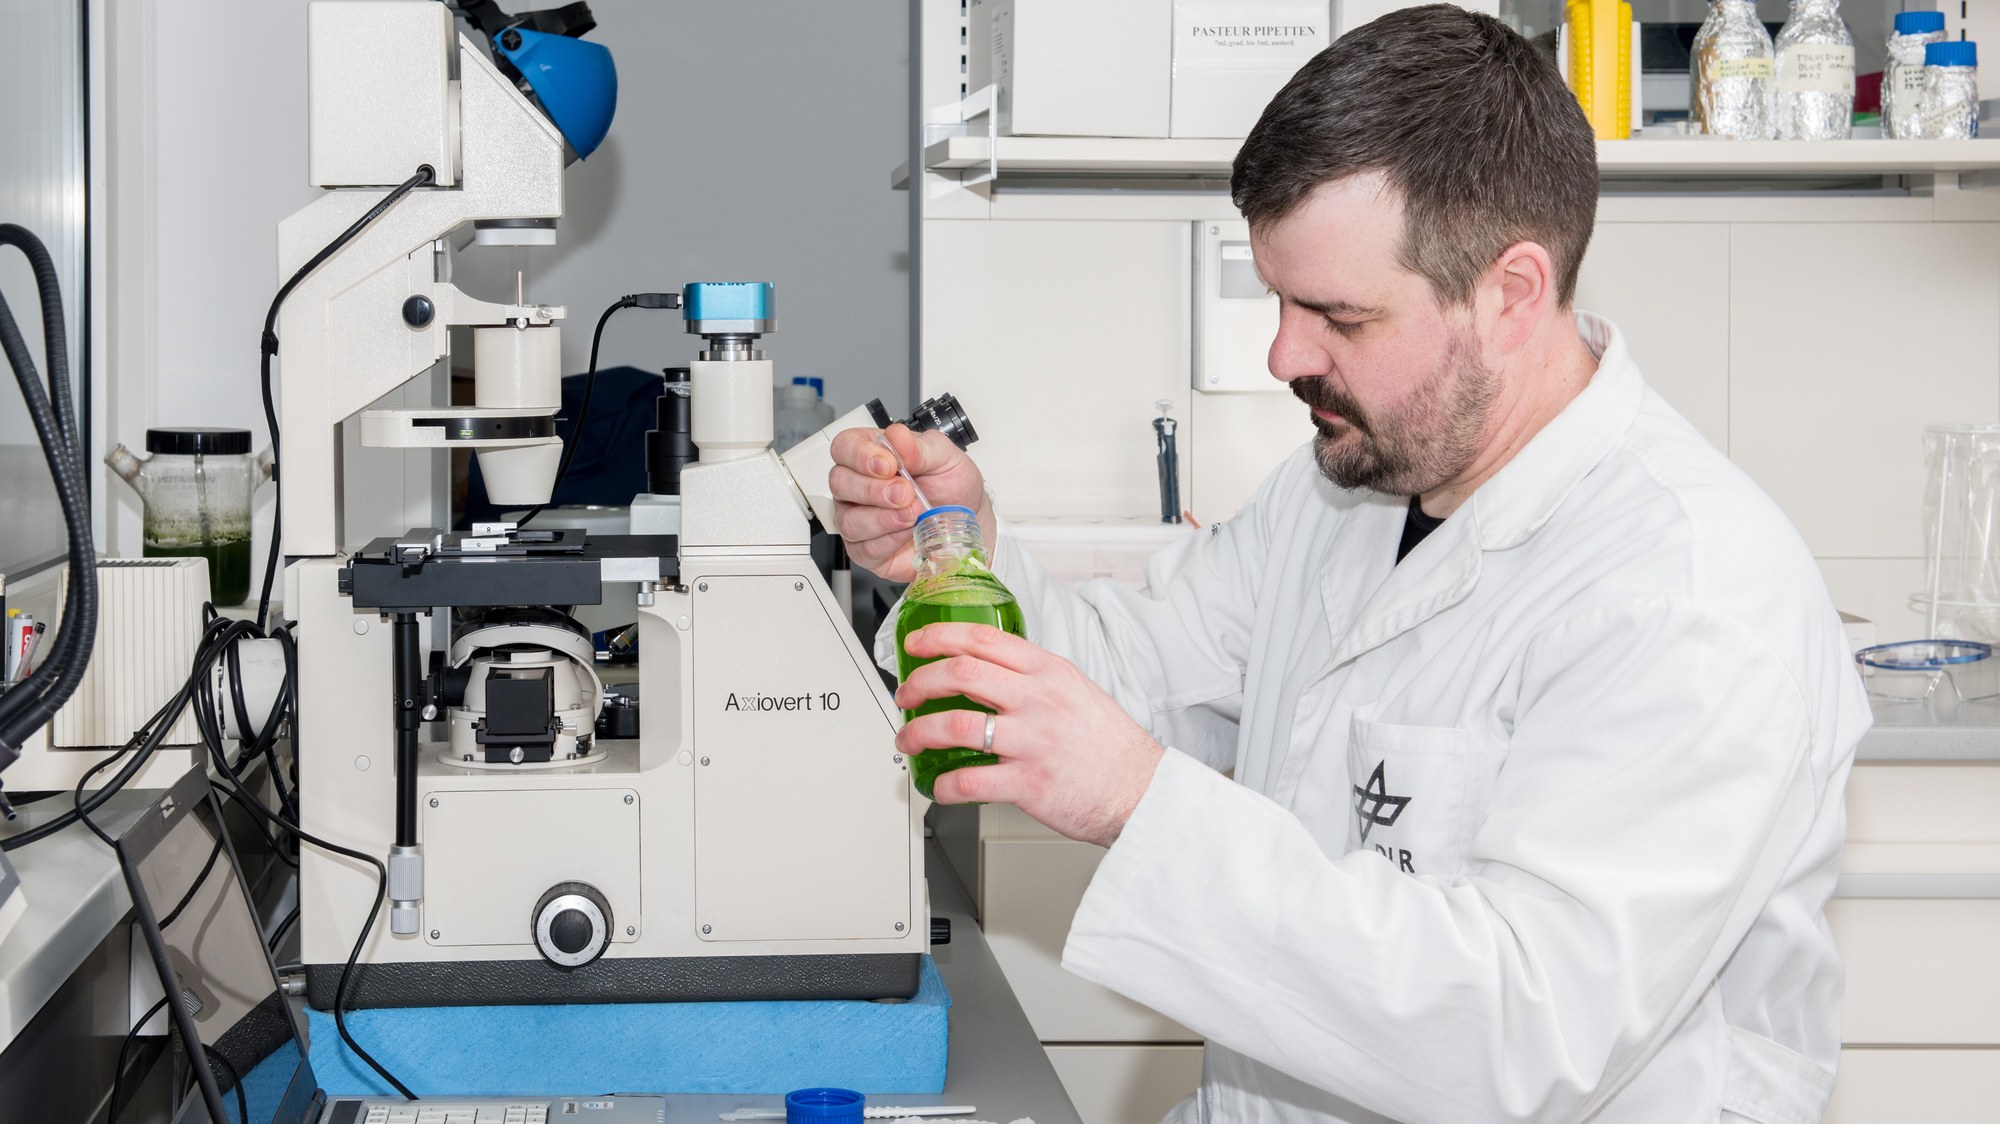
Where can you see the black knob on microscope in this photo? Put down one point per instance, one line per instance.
(571, 924)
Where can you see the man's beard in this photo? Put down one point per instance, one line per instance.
(1424, 445)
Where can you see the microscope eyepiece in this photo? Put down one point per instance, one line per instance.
(945, 415)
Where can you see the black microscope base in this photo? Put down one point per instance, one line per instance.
(677, 979)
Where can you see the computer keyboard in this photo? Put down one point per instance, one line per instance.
(427, 1113)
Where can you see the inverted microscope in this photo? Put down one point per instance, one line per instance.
(758, 837)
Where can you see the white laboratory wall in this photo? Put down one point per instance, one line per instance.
(752, 142)
(1810, 339)
(204, 132)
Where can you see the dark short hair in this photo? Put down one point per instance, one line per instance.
(1468, 122)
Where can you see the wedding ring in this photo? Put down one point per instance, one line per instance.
(987, 745)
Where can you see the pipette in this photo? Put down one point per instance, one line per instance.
(883, 438)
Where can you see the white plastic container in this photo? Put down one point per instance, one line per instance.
(799, 410)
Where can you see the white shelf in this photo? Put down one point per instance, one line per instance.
(1129, 156)
(1695, 156)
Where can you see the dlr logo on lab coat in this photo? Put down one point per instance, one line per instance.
(1408, 786)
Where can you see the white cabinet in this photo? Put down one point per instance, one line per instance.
(1120, 1062)
(1931, 1086)
(1033, 884)
(1921, 971)
(1126, 1084)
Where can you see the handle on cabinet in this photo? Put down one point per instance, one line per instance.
(1918, 885)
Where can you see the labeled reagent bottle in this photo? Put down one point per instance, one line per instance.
(1814, 94)
(954, 582)
(1731, 66)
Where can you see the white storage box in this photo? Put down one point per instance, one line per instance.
(1082, 68)
(1230, 57)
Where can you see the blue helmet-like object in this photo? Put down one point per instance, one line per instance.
(575, 82)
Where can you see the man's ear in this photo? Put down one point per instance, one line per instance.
(1516, 291)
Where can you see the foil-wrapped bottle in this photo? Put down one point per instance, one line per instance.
(1813, 98)
(1903, 75)
(1951, 91)
(1732, 63)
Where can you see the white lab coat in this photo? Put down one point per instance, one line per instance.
(1600, 722)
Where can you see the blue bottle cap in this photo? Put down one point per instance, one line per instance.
(823, 1106)
(1919, 23)
(1951, 54)
(818, 384)
(944, 508)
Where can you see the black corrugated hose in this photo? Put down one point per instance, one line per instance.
(35, 700)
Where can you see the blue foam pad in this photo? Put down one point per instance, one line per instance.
(585, 1048)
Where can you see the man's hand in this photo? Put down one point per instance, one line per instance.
(874, 508)
(1069, 754)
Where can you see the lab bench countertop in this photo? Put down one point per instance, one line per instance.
(1933, 733)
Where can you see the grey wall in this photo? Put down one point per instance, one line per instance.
(754, 142)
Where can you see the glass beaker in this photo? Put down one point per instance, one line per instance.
(196, 487)
(1962, 532)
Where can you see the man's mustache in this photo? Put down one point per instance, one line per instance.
(1321, 394)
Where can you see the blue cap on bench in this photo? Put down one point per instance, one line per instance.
(823, 1106)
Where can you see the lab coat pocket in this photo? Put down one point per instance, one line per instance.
(1409, 794)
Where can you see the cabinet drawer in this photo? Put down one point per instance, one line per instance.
(1919, 971)
(1032, 887)
(1932, 1086)
(1126, 1084)
(1889, 802)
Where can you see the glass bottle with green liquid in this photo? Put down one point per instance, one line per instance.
(954, 582)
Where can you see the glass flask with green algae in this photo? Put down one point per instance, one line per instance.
(953, 583)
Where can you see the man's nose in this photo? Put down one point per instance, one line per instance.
(1295, 353)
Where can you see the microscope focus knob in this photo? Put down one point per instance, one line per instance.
(572, 924)
(418, 311)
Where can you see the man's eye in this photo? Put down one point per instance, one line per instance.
(1345, 327)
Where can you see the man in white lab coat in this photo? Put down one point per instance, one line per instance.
(1537, 712)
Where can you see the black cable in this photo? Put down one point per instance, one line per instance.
(583, 411)
(274, 842)
(235, 1078)
(31, 703)
(278, 934)
(125, 1057)
(55, 425)
(144, 741)
(264, 742)
(220, 633)
(187, 899)
(367, 926)
(268, 346)
(629, 300)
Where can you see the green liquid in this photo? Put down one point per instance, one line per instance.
(228, 566)
(970, 594)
